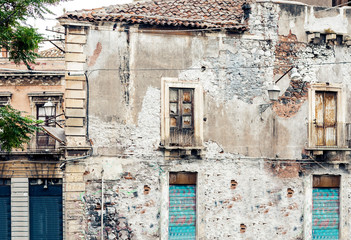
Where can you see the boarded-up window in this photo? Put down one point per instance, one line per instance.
(44, 141)
(325, 211)
(181, 115)
(182, 206)
(325, 121)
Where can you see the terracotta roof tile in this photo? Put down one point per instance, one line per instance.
(51, 53)
(186, 13)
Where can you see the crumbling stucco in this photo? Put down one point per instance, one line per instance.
(254, 173)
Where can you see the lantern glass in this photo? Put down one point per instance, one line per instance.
(295, 75)
(273, 92)
(49, 108)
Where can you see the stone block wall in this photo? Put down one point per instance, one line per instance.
(75, 95)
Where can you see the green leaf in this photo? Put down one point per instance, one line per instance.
(21, 41)
(15, 129)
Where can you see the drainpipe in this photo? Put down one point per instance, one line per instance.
(87, 106)
(102, 204)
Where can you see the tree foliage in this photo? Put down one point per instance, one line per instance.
(15, 129)
(19, 40)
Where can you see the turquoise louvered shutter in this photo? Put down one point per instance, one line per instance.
(182, 212)
(5, 212)
(45, 207)
(325, 213)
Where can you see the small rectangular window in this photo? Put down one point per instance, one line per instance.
(181, 115)
(44, 141)
(5, 98)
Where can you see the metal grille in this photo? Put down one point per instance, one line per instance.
(182, 212)
(325, 213)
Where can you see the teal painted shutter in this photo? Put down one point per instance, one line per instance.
(45, 207)
(182, 212)
(325, 213)
(5, 212)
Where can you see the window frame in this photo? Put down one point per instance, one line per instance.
(44, 134)
(185, 179)
(309, 184)
(40, 98)
(340, 115)
(164, 214)
(166, 85)
(179, 129)
(339, 2)
(5, 98)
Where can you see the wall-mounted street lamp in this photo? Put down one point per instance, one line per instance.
(49, 108)
(274, 90)
(50, 117)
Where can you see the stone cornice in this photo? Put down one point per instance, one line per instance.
(31, 78)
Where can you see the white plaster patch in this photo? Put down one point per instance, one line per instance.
(338, 24)
(112, 169)
(149, 120)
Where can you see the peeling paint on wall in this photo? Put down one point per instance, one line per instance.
(292, 99)
(92, 59)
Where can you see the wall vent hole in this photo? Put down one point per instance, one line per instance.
(290, 192)
(242, 228)
(146, 189)
(233, 184)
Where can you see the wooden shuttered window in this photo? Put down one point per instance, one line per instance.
(325, 121)
(181, 111)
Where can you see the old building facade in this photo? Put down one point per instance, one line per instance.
(170, 133)
(31, 191)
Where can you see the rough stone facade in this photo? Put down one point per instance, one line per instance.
(255, 170)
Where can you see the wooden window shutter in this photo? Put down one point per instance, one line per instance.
(181, 109)
(325, 118)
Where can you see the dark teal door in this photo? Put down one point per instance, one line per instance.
(182, 212)
(45, 207)
(5, 211)
(325, 213)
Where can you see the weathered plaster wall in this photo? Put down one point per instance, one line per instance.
(321, 3)
(41, 64)
(245, 138)
(20, 99)
(271, 198)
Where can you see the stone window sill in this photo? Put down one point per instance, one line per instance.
(181, 148)
(324, 148)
